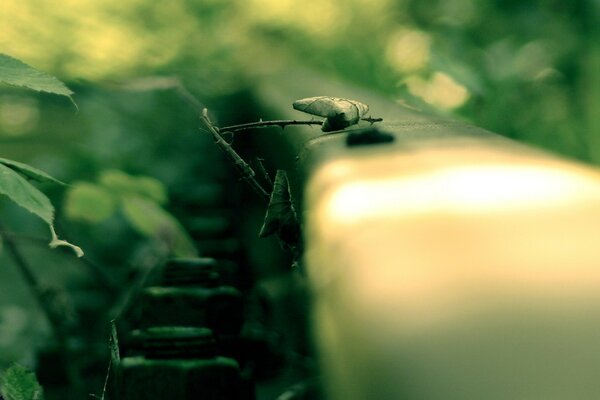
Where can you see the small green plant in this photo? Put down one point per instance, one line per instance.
(19, 383)
(338, 113)
(280, 218)
(15, 176)
(139, 199)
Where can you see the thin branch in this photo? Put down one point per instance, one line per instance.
(131, 292)
(282, 123)
(163, 83)
(263, 124)
(371, 120)
(99, 273)
(38, 240)
(26, 271)
(59, 329)
(263, 171)
(245, 171)
(188, 97)
(95, 396)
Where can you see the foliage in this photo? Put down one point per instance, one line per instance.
(280, 215)
(18, 383)
(140, 200)
(113, 344)
(18, 189)
(30, 172)
(536, 61)
(24, 194)
(12, 173)
(526, 69)
(17, 73)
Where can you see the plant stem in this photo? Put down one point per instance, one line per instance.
(371, 120)
(58, 328)
(245, 171)
(26, 271)
(130, 293)
(188, 97)
(282, 123)
(100, 275)
(262, 124)
(265, 174)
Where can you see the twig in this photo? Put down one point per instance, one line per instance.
(188, 97)
(282, 123)
(262, 124)
(33, 284)
(113, 344)
(58, 328)
(100, 274)
(28, 275)
(95, 396)
(245, 171)
(126, 299)
(263, 171)
(371, 120)
(102, 278)
(163, 83)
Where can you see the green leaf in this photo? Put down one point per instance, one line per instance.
(19, 383)
(280, 213)
(29, 171)
(56, 242)
(125, 184)
(88, 202)
(149, 219)
(151, 188)
(113, 343)
(15, 187)
(25, 194)
(17, 73)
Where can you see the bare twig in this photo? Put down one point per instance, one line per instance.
(163, 83)
(282, 123)
(32, 282)
(371, 120)
(102, 278)
(261, 168)
(27, 273)
(245, 171)
(188, 97)
(263, 124)
(113, 344)
(126, 299)
(59, 328)
(95, 396)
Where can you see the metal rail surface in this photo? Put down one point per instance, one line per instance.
(450, 263)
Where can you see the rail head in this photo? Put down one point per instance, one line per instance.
(449, 262)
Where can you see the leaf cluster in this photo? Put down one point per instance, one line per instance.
(19, 383)
(14, 175)
(16, 73)
(139, 199)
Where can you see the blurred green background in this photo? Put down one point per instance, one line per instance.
(526, 69)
